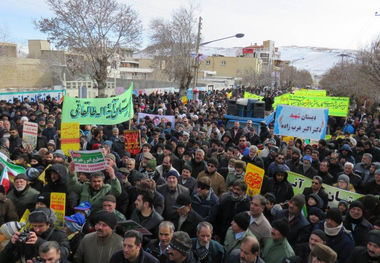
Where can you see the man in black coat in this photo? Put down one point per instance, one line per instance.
(316, 188)
(370, 253)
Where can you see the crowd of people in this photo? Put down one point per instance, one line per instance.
(183, 197)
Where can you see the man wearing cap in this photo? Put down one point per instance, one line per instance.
(96, 189)
(22, 195)
(42, 230)
(73, 228)
(236, 232)
(146, 148)
(218, 183)
(373, 187)
(145, 214)
(294, 163)
(132, 250)
(186, 219)
(187, 180)
(357, 224)
(100, 245)
(109, 205)
(369, 253)
(338, 238)
(316, 188)
(171, 190)
(180, 250)
(277, 248)
(307, 168)
(204, 201)
(303, 249)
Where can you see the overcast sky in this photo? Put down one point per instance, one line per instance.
(347, 24)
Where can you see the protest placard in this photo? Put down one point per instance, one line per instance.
(157, 119)
(248, 95)
(301, 122)
(33, 96)
(29, 134)
(310, 92)
(132, 141)
(70, 134)
(253, 178)
(88, 161)
(106, 111)
(300, 182)
(58, 204)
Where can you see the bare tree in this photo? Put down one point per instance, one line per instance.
(172, 43)
(252, 78)
(95, 28)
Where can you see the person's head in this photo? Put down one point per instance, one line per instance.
(105, 222)
(240, 166)
(324, 166)
(186, 172)
(343, 182)
(132, 245)
(144, 201)
(40, 220)
(242, 141)
(316, 184)
(109, 203)
(253, 151)
(356, 210)
(348, 168)
(20, 182)
(131, 164)
(172, 179)
(296, 154)
(204, 233)
(307, 160)
(212, 165)
(373, 244)
(165, 232)
(377, 176)
(249, 250)
(280, 159)
(280, 175)
(296, 203)
(333, 218)
(367, 159)
(180, 247)
(50, 252)
(43, 200)
(334, 158)
(317, 236)
(110, 159)
(280, 229)
(199, 155)
(167, 162)
(239, 188)
(74, 223)
(183, 204)
(257, 206)
(323, 254)
(203, 186)
(97, 181)
(240, 222)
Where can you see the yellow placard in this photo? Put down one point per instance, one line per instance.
(310, 92)
(248, 95)
(184, 100)
(287, 138)
(70, 134)
(253, 178)
(283, 99)
(41, 177)
(229, 95)
(58, 204)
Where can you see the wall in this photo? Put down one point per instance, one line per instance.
(231, 66)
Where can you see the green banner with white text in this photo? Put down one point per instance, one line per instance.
(107, 111)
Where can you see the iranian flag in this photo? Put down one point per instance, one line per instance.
(12, 169)
(4, 181)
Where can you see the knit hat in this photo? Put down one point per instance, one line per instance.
(296, 150)
(21, 176)
(59, 153)
(148, 156)
(187, 167)
(320, 233)
(324, 253)
(52, 142)
(181, 242)
(32, 173)
(213, 161)
(152, 164)
(317, 212)
(335, 215)
(111, 156)
(240, 164)
(44, 198)
(109, 198)
(357, 203)
(271, 141)
(106, 217)
(374, 236)
(307, 157)
(40, 215)
(172, 173)
(242, 219)
(281, 226)
(75, 222)
(182, 200)
(8, 229)
(344, 178)
(298, 200)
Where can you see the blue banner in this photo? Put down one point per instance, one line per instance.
(307, 123)
(189, 94)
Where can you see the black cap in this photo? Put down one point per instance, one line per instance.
(182, 200)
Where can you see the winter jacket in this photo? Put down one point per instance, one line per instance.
(261, 228)
(215, 250)
(231, 243)
(255, 160)
(283, 191)
(277, 251)
(190, 183)
(153, 248)
(144, 257)
(23, 200)
(170, 197)
(151, 222)
(218, 184)
(190, 224)
(321, 193)
(74, 239)
(349, 157)
(359, 255)
(87, 194)
(359, 229)
(206, 207)
(95, 250)
(197, 167)
(7, 210)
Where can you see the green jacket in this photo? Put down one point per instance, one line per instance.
(230, 243)
(276, 251)
(94, 198)
(25, 200)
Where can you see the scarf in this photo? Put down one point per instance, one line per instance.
(333, 231)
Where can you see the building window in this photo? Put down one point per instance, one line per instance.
(223, 62)
(208, 62)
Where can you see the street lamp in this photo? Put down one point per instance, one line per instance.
(196, 66)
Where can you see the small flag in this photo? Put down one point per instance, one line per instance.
(304, 211)
(4, 181)
(12, 169)
(60, 100)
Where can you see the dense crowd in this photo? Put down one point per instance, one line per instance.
(183, 197)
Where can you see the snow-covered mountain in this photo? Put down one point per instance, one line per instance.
(316, 60)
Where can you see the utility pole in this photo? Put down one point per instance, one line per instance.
(196, 59)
